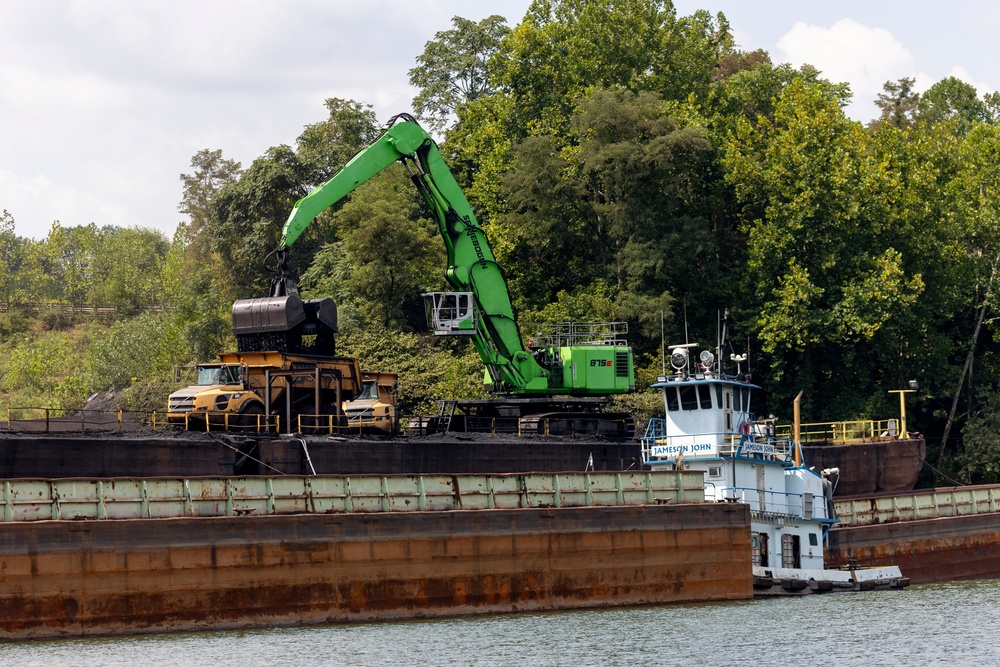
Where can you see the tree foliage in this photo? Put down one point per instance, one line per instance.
(453, 69)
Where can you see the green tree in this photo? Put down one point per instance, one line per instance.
(898, 104)
(562, 50)
(974, 195)
(72, 253)
(210, 173)
(324, 147)
(34, 281)
(10, 259)
(630, 191)
(549, 241)
(750, 88)
(197, 281)
(979, 460)
(955, 100)
(136, 285)
(646, 175)
(452, 70)
(247, 216)
(823, 266)
(564, 47)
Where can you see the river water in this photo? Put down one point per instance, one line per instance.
(938, 624)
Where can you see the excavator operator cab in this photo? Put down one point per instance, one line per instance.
(450, 313)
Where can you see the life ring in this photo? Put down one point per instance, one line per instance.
(743, 428)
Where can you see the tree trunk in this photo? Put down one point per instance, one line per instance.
(968, 361)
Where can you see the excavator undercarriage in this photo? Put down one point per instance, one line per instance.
(572, 417)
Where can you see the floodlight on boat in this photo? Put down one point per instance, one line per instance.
(707, 358)
(679, 358)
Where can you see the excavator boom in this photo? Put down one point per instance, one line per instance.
(472, 269)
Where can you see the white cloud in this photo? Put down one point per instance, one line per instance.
(848, 51)
(103, 102)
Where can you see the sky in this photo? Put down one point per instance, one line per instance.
(103, 103)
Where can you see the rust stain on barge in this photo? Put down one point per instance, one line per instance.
(196, 573)
(926, 550)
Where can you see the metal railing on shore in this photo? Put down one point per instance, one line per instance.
(62, 420)
(148, 498)
(92, 309)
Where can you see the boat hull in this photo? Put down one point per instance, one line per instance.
(780, 581)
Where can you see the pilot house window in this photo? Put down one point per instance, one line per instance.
(689, 399)
(671, 395)
(705, 396)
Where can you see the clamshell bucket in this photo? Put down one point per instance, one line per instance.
(321, 314)
(268, 315)
(285, 324)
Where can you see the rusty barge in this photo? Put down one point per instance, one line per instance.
(91, 557)
(933, 535)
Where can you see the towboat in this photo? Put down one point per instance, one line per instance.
(709, 425)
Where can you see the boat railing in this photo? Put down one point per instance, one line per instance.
(777, 503)
(845, 432)
(729, 443)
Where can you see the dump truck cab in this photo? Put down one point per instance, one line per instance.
(213, 381)
(375, 407)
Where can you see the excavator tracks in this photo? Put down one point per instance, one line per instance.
(611, 425)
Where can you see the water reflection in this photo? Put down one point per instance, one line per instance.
(940, 624)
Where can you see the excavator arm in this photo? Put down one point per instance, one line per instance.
(471, 265)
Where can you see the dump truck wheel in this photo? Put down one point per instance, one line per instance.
(248, 416)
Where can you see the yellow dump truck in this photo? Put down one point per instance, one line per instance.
(268, 391)
(374, 410)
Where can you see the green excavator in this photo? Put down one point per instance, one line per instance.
(560, 381)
